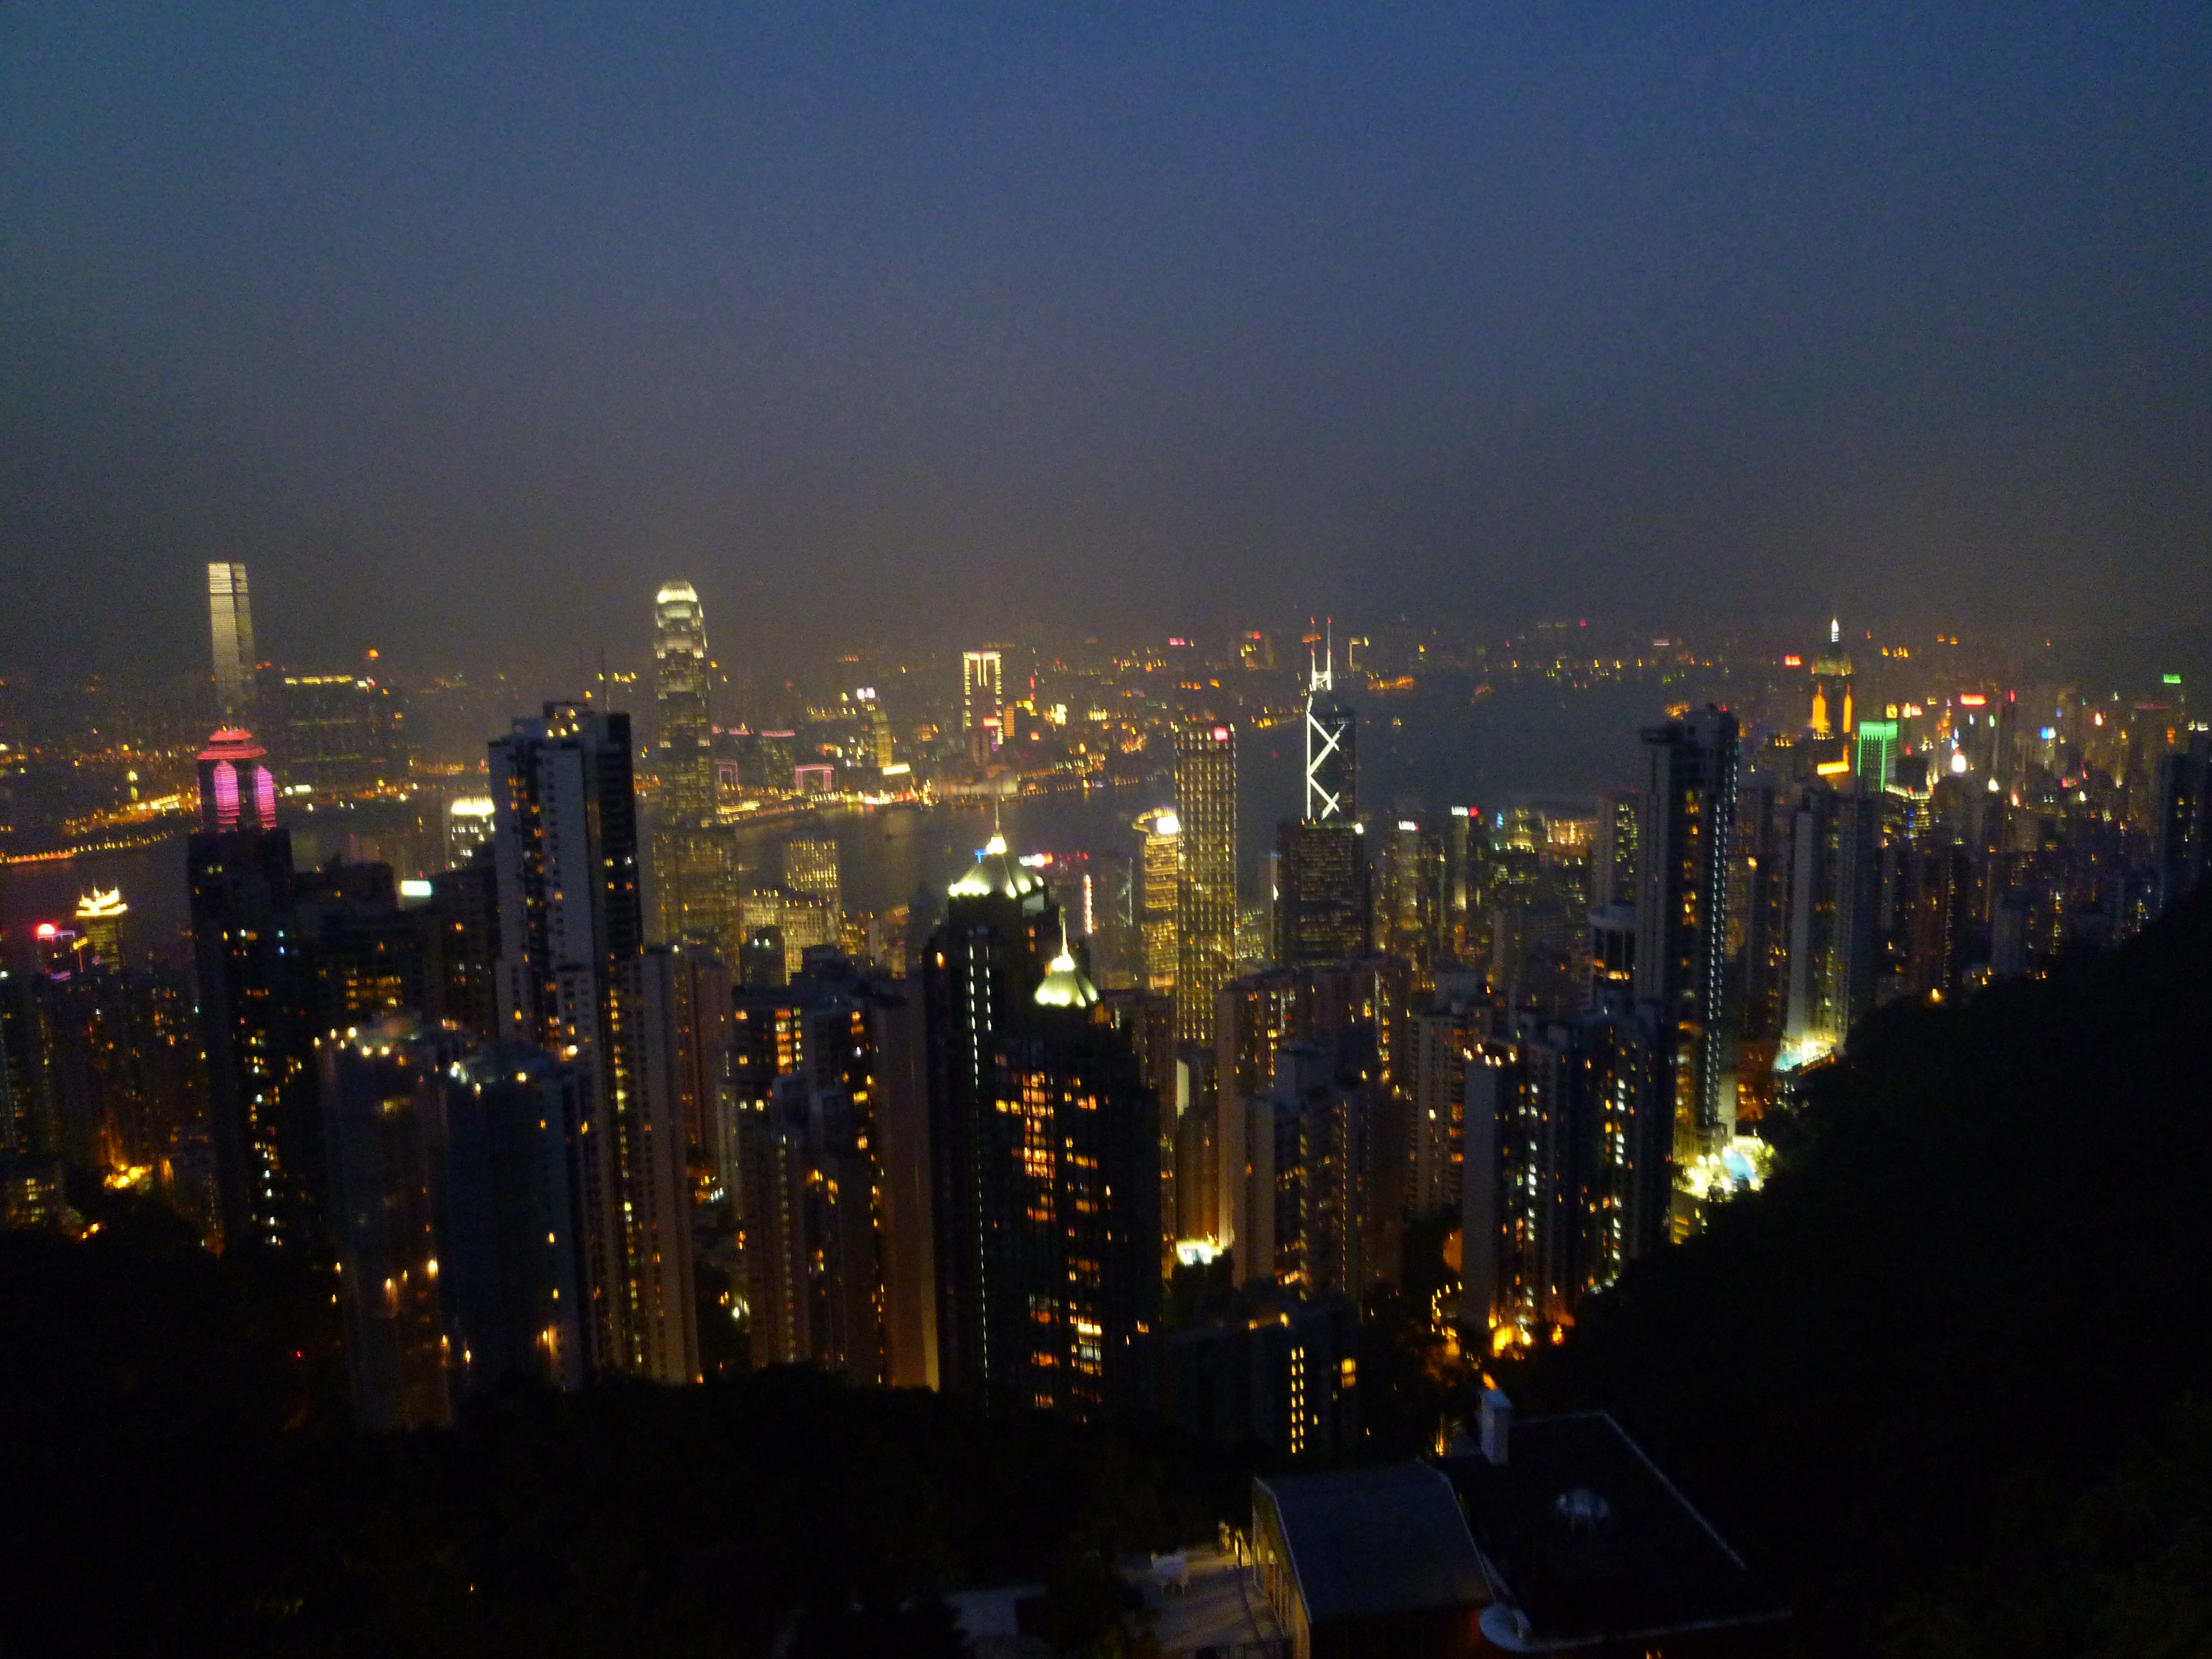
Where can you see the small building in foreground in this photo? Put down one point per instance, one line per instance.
(1368, 1562)
(1589, 1549)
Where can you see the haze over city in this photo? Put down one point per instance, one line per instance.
(452, 326)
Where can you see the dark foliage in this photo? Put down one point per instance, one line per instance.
(180, 1479)
(1946, 1378)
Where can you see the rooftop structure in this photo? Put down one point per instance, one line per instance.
(1368, 1561)
(1589, 1547)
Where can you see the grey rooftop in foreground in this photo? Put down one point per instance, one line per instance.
(1588, 1542)
(1370, 1542)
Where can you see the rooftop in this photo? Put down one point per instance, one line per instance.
(1377, 1541)
(1585, 1538)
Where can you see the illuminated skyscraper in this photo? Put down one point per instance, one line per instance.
(1331, 743)
(688, 866)
(1045, 1148)
(1687, 845)
(253, 991)
(1321, 894)
(1205, 887)
(682, 756)
(810, 871)
(569, 980)
(1832, 715)
(230, 622)
(1155, 900)
(1321, 912)
(982, 689)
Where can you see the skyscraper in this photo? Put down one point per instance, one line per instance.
(688, 873)
(569, 980)
(1685, 843)
(1322, 911)
(1205, 885)
(1156, 901)
(982, 691)
(810, 870)
(682, 756)
(230, 623)
(1322, 908)
(253, 991)
(1045, 1151)
(1332, 758)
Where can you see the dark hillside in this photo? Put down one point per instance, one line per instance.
(1946, 1377)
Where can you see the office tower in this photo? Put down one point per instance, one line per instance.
(1205, 881)
(1180, 1079)
(683, 757)
(1466, 843)
(1332, 790)
(1160, 866)
(1685, 843)
(878, 728)
(100, 917)
(1567, 1175)
(982, 696)
(252, 995)
(1876, 755)
(980, 971)
(689, 861)
(1322, 905)
(230, 622)
(1410, 894)
(1832, 715)
(1834, 884)
(1071, 1190)
(341, 736)
(810, 869)
(569, 981)
(1308, 1136)
(452, 1217)
(805, 922)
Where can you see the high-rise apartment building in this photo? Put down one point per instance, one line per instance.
(1205, 885)
(230, 623)
(980, 971)
(1687, 845)
(569, 980)
(452, 1217)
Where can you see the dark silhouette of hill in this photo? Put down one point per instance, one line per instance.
(1948, 1377)
(180, 1478)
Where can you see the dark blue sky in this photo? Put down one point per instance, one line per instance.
(468, 325)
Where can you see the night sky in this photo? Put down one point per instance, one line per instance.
(464, 326)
